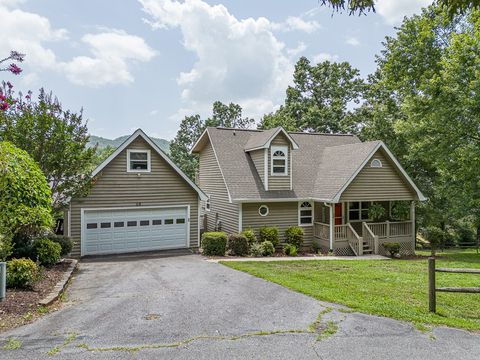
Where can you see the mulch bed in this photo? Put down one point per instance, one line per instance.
(20, 305)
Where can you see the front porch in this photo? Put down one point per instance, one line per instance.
(335, 230)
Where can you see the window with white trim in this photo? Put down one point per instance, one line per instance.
(358, 211)
(279, 160)
(305, 213)
(263, 210)
(376, 163)
(138, 160)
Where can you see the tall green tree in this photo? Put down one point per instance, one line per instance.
(192, 127)
(55, 138)
(319, 99)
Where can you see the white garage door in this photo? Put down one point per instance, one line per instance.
(132, 230)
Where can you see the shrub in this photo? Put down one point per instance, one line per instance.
(316, 247)
(47, 252)
(5, 247)
(290, 250)
(256, 250)
(294, 236)
(267, 248)
(237, 244)
(21, 272)
(250, 235)
(269, 234)
(435, 236)
(376, 212)
(65, 242)
(400, 210)
(214, 243)
(392, 247)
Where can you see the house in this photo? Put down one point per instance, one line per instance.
(324, 183)
(139, 200)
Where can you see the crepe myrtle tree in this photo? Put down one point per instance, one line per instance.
(15, 57)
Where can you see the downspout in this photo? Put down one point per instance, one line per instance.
(330, 224)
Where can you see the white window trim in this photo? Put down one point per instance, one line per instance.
(359, 211)
(309, 208)
(129, 151)
(263, 206)
(378, 163)
(273, 149)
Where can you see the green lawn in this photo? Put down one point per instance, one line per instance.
(393, 288)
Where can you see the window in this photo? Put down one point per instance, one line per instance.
(263, 210)
(279, 160)
(105, 225)
(156, 222)
(131, 223)
(305, 213)
(180, 221)
(168, 221)
(144, 222)
(207, 204)
(138, 160)
(358, 211)
(92, 226)
(118, 224)
(376, 163)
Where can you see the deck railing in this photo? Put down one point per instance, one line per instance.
(340, 233)
(389, 229)
(321, 230)
(370, 238)
(355, 241)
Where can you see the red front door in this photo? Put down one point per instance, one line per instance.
(338, 214)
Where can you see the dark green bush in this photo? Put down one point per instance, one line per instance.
(21, 272)
(65, 242)
(48, 253)
(392, 247)
(316, 247)
(237, 245)
(214, 243)
(250, 235)
(267, 248)
(435, 236)
(290, 250)
(256, 250)
(269, 234)
(294, 236)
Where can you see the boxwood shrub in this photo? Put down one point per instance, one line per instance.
(294, 236)
(267, 248)
(47, 252)
(392, 247)
(250, 235)
(65, 242)
(269, 234)
(237, 244)
(21, 272)
(214, 243)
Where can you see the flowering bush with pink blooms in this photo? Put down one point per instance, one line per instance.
(6, 99)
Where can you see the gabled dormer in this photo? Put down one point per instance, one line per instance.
(271, 153)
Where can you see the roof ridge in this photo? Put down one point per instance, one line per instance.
(234, 129)
(319, 133)
(358, 143)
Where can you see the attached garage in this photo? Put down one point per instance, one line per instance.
(139, 200)
(108, 231)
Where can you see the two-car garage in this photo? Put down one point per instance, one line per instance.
(121, 230)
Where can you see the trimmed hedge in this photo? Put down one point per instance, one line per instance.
(65, 242)
(250, 235)
(237, 244)
(267, 248)
(48, 253)
(294, 236)
(392, 247)
(214, 243)
(269, 234)
(21, 272)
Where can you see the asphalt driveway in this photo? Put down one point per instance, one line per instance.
(186, 308)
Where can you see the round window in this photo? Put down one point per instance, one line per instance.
(263, 210)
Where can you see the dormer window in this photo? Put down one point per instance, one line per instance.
(279, 160)
(138, 161)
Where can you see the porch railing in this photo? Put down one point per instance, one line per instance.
(389, 229)
(321, 230)
(370, 238)
(355, 241)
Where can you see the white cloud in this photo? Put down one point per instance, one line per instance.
(393, 11)
(28, 33)
(238, 60)
(351, 40)
(321, 57)
(301, 47)
(113, 52)
(295, 23)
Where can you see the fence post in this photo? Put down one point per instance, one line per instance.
(432, 306)
(376, 245)
(388, 230)
(3, 280)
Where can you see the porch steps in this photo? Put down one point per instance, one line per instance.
(366, 249)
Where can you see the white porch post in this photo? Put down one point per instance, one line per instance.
(412, 219)
(332, 224)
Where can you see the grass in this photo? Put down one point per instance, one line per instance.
(12, 344)
(391, 288)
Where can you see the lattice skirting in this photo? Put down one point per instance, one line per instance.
(407, 247)
(343, 251)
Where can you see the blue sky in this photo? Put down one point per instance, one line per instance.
(149, 63)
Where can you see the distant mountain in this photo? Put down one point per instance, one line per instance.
(103, 143)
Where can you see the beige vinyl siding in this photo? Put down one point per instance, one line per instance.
(281, 214)
(380, 184)
(115, 187)
(279, 182)
(211, 182)
(258, 159)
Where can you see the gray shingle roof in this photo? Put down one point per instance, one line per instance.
(321, 165)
